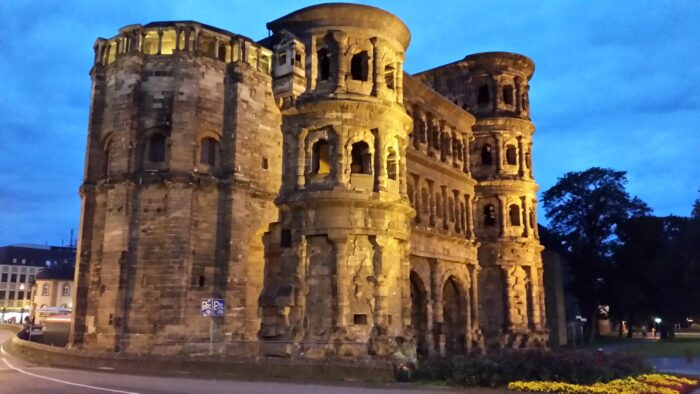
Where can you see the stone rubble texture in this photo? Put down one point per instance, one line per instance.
(332, 200)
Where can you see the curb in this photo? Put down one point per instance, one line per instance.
(263, 368)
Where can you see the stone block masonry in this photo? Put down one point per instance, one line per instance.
(333, 201)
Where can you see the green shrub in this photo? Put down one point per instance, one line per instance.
(501, 368)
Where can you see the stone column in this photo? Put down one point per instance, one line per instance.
(216, 48)
(445, 208)
(507, 302)
(399, 82)
(403, 169)
(418, 198)
(468, 309)
(301, 157)
(160, 41)
(469, 231)
(377, 69)
(380, 176)
(431, 199)
(466, 154)
(381, 291)
(523, 208)
(535, 290)
(521, 157)
(436, 290)
(501, 216)
(534, 216)
(188, 31)
(475, 297)
(499, 154)
(341, 61)
(311, 64)
(340, 242)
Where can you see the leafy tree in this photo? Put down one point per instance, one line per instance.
(584, 210)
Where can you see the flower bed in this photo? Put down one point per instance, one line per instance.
(647, 384)
(531, 365)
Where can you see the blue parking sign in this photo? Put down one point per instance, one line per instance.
(213, 307)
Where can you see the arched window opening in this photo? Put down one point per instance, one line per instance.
(209, 151)
(65, 291)
(489, 216)
(222, 52)
(511, 158)
(45, 289)
(514, 213)
(156, 148)
(359, 66)
(391, 165)
(324, 64)
(508, 94)
(424, 201)
(438, 205)
(528, 160)
(361, 158)
(389, 76)
(483, 96)
(321, 157)
(486, 155)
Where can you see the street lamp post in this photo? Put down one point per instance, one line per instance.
(657, 321)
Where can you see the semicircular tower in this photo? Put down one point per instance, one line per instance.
(494, 87)
(337, 261)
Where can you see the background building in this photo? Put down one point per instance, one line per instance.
(52, 291)
(19, 265)
(332, 201)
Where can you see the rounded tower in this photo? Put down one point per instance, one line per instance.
(494, 87)
(337, 261)
(510, 252)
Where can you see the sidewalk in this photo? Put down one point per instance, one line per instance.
(676, 365)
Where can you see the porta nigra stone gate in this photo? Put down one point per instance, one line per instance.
(332, 200)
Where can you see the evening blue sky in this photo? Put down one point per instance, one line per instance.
(617, 84)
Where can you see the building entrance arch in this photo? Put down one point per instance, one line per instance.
(419, 314)
(454, 318)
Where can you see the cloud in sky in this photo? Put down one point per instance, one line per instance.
(616, 85)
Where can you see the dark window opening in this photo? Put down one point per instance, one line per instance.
(222, 52)
(438, 205)
(359, 66)
(489, 216)
(321, 157)
(451, 209)
(22, 278)
(532, 219)
(510, 155)
(286, 239)
(156, 148)
(389, 76)
(359, 319)
(361, 158)
(508, 94)
(208, 151)
(486, 155)
(12, 295)
(297, 59)
(264, 163)
(528, 160)
(324, 64)
(514, 213)
(201, 281)
(483, 96)
(106, 160)
(391, 165)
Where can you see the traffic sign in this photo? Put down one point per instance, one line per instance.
(213, 307)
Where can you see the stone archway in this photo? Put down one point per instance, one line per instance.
(454, 319)
(419, 314)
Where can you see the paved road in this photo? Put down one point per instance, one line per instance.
(22, 377)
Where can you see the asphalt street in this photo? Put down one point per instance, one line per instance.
(22, 377)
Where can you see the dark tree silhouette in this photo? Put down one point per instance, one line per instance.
(584, 210)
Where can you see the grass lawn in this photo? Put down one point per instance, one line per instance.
(679, 347)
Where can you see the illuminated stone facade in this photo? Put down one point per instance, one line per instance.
(332, 200)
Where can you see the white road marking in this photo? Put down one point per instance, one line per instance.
(63, 381)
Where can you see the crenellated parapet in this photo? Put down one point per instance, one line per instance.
(182, 38)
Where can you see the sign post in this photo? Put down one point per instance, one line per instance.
(213, 307)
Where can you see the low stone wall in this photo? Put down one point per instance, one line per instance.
(264, 368)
